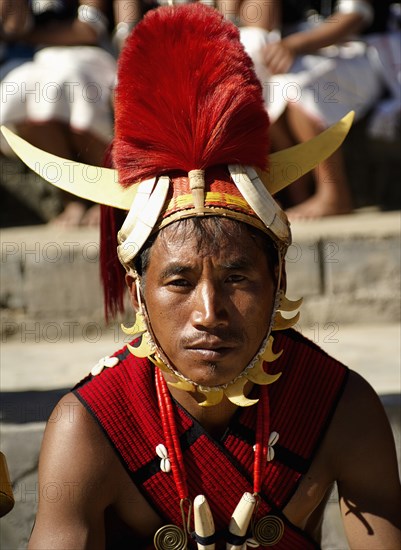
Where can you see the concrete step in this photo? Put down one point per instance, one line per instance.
(347, 268)
(30, 364)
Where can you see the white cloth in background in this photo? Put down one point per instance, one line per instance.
(327, 85)
(72, 84)
(385, 120)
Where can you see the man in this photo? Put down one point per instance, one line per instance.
(217, 427)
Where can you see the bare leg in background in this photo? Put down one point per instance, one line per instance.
(332, 195)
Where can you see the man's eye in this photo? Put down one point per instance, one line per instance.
(178, 282)
(236, 278)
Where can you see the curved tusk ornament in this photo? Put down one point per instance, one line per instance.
(144, 349)
(145, 189)
(88, 182)
(159, 363)
(258, 375)
(282, 323)
(290, 164)
(268, 355)
(212, 397)
(289, 305)
(235, 394)
(101, 184)
(143, 225)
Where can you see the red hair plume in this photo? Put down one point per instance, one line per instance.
(187, 96)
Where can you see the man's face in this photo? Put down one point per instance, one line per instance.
(209, 307)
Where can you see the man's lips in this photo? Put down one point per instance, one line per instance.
(211, 349)
(210, 344)
(202, 354)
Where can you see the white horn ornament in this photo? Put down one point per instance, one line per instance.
(203, 521)
(82, 180)
(241, 518)
(101, 184)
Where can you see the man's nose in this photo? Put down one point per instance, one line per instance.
(209, 308)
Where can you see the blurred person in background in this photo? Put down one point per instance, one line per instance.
(315, 62)
(57, 74)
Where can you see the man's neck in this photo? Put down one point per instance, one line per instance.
(214, 419)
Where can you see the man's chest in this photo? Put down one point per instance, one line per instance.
(135, 516)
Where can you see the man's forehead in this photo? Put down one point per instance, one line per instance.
(229, 242)
(209, 231)
(185, 250)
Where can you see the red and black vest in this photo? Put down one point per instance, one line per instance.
(302, 402)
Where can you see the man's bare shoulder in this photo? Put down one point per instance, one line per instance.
(75, 484)
(72, 436)
(83, 479)
(359, 408)
(359, 423)
(70, 418)
(363, 459)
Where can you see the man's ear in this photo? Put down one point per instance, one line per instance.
(130, 281)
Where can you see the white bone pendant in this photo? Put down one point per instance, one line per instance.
(241, 518)
(203, 521)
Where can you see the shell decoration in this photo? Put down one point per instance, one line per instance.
(104, 362)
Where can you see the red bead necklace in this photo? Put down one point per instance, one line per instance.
(177, 461)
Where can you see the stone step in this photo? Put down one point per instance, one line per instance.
(40, 364)
(347, 268)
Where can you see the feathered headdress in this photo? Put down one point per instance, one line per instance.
(187, 97)
(191, 138)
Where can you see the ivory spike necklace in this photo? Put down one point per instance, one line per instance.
(171, 536)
